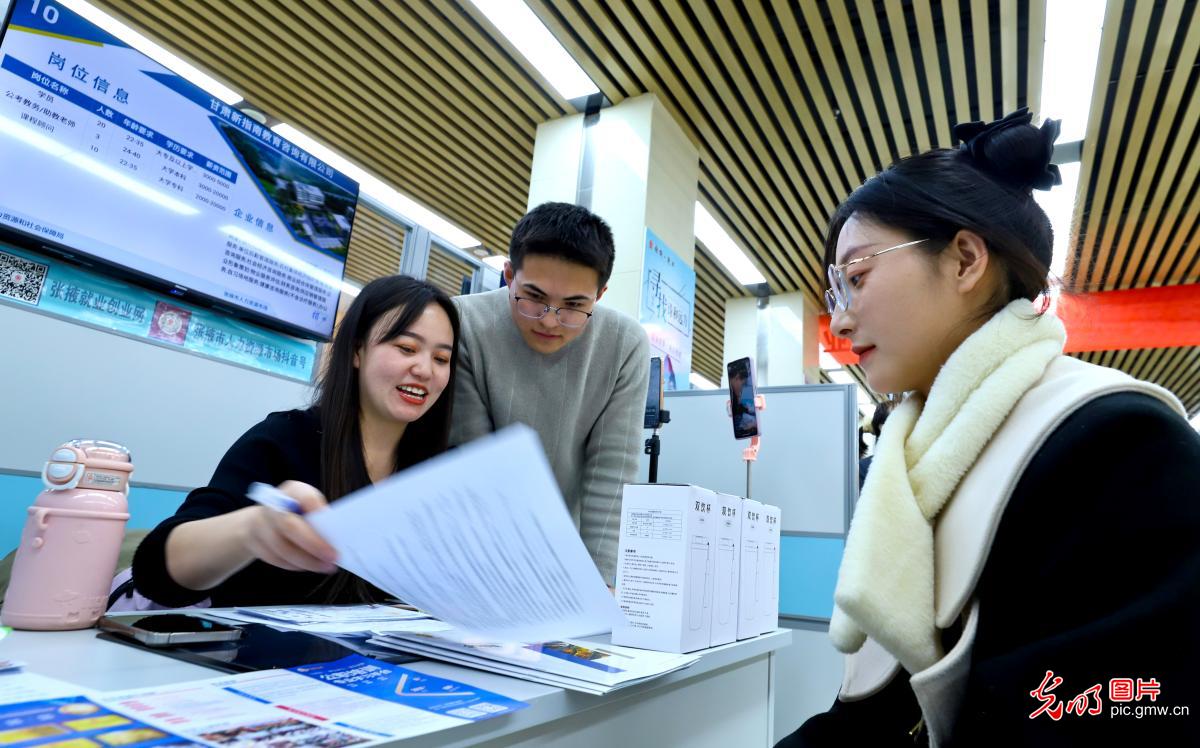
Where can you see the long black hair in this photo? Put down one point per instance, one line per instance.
(985, 186)
(338, 400)
(343, 466)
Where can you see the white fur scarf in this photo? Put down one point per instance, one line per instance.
(885, 585)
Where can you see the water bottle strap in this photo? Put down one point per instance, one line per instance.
(125, 589)
(43, 512)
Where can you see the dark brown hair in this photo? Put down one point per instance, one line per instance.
(338, 400)
(986, 186)
(566, 231)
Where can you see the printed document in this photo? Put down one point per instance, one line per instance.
(329, 619)
(478, 537)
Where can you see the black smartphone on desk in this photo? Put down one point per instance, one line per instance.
(742, 407)
(169, 629)
(259, 647)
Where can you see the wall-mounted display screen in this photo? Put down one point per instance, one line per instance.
(109, 156)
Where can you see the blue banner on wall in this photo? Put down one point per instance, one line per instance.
(77, 294)
(666, 310)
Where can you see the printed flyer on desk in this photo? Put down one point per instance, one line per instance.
(400, 685)
(355, 701)
(77, 722)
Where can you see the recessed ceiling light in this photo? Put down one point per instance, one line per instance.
(1073, 32)
(841, 376)
(722, 246)
(496, 262)
(532, 39)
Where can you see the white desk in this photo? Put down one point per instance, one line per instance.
(725, 699)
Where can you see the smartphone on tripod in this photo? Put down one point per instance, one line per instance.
(742, 407)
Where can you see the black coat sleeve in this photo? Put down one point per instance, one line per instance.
(888, 719)
(1094, 575)
(285, 446)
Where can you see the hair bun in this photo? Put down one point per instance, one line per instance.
(1012, 150)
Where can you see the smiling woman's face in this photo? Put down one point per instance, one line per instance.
(400, 379)
(907, 312)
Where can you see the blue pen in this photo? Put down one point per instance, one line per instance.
(272, 497)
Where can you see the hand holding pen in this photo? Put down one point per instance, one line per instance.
(278, 534)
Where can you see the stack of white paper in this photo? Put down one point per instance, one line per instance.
(589, 665)
(480, 538)
(329, 619)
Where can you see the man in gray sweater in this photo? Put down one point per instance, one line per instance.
(541, 352)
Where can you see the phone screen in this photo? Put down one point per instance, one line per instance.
(654, 396)
(741, 398)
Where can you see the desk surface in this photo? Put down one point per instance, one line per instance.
(78, 657)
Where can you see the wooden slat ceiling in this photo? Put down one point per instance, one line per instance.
(783, 138)
(794, 104)
(791, 103)
(1176, 369)
(375, 245)
(713, 286)
(1136, 221)
(447, 271)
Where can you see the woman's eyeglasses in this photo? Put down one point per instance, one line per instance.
(838, 295)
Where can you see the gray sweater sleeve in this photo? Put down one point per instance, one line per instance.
(611, 458)
(471, 417)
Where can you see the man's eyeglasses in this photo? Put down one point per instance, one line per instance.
(567, 317)
(838, 295)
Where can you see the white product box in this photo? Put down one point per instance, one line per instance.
(665, 566)
(725, 592)
(749, 616)
(768, 577)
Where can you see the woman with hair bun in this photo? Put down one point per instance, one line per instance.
(1023, 565)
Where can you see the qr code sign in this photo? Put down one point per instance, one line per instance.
(21, 279)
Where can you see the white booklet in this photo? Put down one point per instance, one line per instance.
(589, 665)
(478, 537)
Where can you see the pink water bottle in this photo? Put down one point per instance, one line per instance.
(68, 553)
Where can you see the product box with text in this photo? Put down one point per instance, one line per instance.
(768, 577)
(749, 619)
(666, 565)
(725, 592)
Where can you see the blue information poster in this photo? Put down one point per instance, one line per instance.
(74, 293)
(666, 311)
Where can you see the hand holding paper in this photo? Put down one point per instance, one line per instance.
(478, 537)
